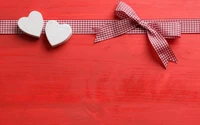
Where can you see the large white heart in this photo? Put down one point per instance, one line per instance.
(32, 25)
(57, 34)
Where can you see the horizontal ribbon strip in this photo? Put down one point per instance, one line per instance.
(188, 26)
(130, 23)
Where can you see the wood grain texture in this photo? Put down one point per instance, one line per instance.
(116, 82)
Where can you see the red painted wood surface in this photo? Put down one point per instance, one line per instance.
(115, 82)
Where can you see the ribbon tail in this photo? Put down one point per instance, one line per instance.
(162, 48)
(112, 30)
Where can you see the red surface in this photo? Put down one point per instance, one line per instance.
(115, 82)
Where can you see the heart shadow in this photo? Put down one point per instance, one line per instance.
(29, 38)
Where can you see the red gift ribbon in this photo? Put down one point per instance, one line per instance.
(130, 20)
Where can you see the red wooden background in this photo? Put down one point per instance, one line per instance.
(115, 82)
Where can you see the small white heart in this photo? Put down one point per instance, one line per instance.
(32, 25)
(57, 34)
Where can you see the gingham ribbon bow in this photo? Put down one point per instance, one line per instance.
(157, 32)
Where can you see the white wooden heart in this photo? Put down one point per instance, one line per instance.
(32, 25)
(57, 34)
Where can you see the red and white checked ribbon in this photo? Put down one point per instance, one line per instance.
(130, 23)
(130, 20)
(188, 26)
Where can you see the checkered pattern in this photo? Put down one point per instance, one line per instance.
(165, 27)
(130, 23)
(130, 20)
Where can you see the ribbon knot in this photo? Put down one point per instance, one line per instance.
(156, 31)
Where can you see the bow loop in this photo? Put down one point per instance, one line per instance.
(123, 12)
